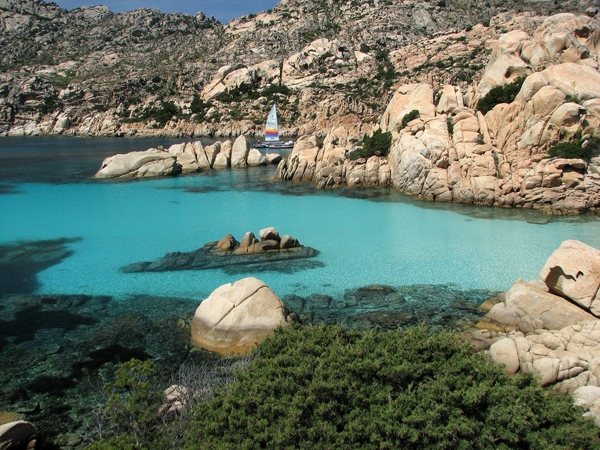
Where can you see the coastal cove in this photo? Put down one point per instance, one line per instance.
(71, 314)
(364, 236)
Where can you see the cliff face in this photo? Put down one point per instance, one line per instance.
(93, 72)
(453, 152)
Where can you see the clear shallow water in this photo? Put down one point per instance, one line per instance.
(382, 238)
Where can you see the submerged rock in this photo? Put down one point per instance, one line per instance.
(236, 317)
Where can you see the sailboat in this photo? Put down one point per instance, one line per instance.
(272, 141)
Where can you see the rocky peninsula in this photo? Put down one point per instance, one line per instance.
(185, 158)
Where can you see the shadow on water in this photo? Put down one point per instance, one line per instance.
(30, 320)
(20, 262)
(7, 189)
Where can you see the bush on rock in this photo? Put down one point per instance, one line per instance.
(500, 94)
(378, 144)
(578, 149)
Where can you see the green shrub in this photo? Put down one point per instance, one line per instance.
(378, 144)
(133, 406)
(330, 388)
(500, 94)
(576, 149)
(450, 123)
(414, 114)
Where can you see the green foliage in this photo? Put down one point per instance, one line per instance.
(249, 91)
(500, 94)
(378, 144)
(200, 108)
(450, 123)
(134, 401)
(50, 104)
(365, 48)
(330, 388)
(579, 149)
(161, 114)
(121, 442)
(414, 114)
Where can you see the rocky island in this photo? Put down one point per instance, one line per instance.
(228, 254)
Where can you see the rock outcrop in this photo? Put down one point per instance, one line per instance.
(549, 327)
(236, 317)
(149, 163)
(228, 254)
(185, 157)
(452, 152)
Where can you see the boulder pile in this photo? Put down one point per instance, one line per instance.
(550, 326)
(268, 253)
(453, 152)
(186, 158)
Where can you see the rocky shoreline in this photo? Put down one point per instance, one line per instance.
(185, 158)
(452, 152)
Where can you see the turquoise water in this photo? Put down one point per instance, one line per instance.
(381, 238)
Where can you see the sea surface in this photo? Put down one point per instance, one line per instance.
(364, 236)
(69, 315)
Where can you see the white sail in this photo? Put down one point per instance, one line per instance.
(272, 129)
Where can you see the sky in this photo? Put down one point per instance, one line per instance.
(222, 10)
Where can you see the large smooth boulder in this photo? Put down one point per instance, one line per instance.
(527, 307)
(256, 158)
(149, 163)
(239, 152)
(236, 317)
(20, 434)
(269, 234)
(573, 271)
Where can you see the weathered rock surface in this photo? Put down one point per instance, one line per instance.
(149, 163)
(267, 253)
(455, 153)
(185, 157)
(573, 271)
(528, 307)
(531, 329)
(236, 317)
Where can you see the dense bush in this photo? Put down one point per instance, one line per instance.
(577, 149)
(414, 114)
(378, 144)
(250, 91)
(327, 387)
(500, 94)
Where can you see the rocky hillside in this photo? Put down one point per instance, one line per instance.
(527, 135)
(92, 72)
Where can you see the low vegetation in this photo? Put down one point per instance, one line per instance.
(328, 387)
(378, 144)
(414, 114)
(579, 149)
(500, 94)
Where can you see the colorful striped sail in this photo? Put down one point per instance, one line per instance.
(272, 129)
